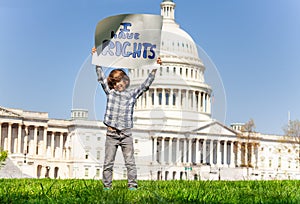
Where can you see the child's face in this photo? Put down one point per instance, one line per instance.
(120, 86)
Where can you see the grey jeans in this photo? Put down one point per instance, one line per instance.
(115, 138)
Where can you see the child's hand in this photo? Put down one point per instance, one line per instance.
(93, 50)
(153, 72)
(158, 61)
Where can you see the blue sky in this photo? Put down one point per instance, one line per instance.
(254, 44)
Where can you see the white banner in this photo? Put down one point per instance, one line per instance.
(128, 41)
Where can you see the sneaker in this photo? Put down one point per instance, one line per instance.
(132, 188)
(106, 188)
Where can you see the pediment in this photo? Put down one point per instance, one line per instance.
(215, 128)
(6, 112)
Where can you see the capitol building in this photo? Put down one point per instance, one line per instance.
(175, 135)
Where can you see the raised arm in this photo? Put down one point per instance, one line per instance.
(145, 86)
(102, 80)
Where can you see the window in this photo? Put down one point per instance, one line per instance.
(98, 155)
(86, 172)
(160, 98)
(167, 98)
(87, 138)
(174, 99)
(97, 172)
(98, 138)
(136, 141)
(152, 98)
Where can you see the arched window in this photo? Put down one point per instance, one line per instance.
(56, 172)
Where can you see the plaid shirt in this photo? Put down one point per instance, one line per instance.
(119, 105)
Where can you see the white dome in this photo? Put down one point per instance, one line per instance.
(177, 41)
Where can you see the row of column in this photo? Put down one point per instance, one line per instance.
(178, 98)
(185, 73)
(207, 151)
(32, 140)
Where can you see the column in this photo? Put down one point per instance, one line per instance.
(231, 164)
(177, 151)
(52, 144)
(208, 104)
(163, 97)
(26, 140)
(246, 154)
(211, 152)
(205, 106)
(154, 153)
(194, 101)
(252, 154)
(61, 137)
(225, 154)
(203, 101)
(197, 154)
(9, 138)
(45, 141)
(170, 151)
(178, 102)
(238, 154)
(155, 97)
(184, 150)
(162, 154)
(35, 140)
(190, 150)
(204, 151)
(186, 105)
(219, 153)
(19, 138)
(199, 102)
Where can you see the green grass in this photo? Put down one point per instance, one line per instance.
(91, 191)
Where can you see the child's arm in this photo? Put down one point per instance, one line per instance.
(101, 76)
(145, 86)
(101, 79)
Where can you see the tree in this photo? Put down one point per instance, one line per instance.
(249, 126)
(3, 156)
(292, 130)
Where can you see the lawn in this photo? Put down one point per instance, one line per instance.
(91, 191)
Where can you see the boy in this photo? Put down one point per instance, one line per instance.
(119, 121)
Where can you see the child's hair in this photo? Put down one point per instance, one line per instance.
(116, 76)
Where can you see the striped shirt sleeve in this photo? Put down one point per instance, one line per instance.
(144, 86)
(102, 80)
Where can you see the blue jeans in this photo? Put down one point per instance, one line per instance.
(115, 138)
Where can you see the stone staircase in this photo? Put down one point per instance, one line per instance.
(9, 170)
